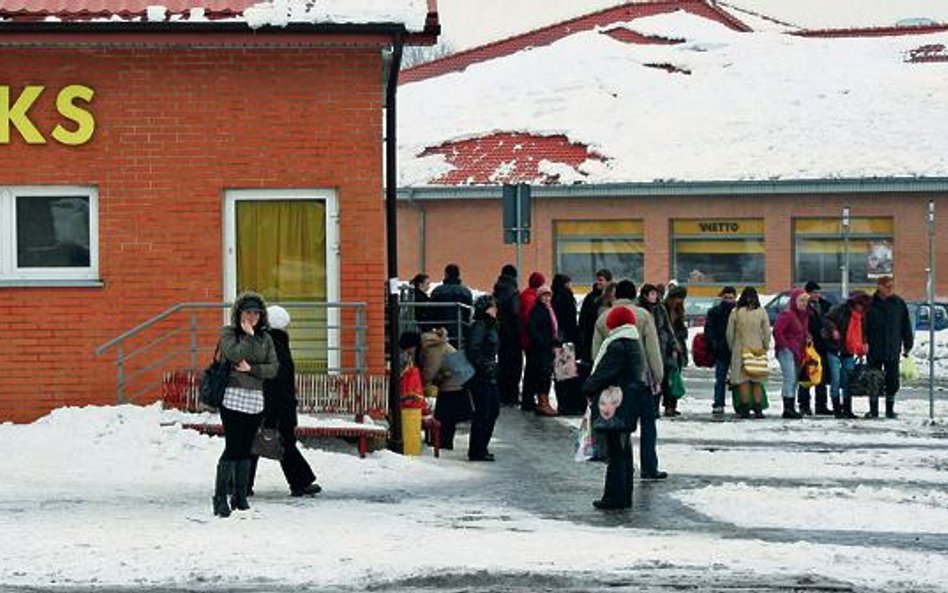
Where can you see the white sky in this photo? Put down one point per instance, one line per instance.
(467, 23)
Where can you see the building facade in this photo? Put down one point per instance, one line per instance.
(149, 164)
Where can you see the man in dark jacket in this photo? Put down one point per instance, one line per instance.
(715, 328)
(588, 314)
(890, 333)
(509, 350)
(453, 291)
(481, 350)
(818, 307)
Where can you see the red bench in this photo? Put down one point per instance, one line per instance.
(339, 396)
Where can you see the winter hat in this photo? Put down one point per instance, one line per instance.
(544, 289)
(278, 316)
(536, 280)
(619, 316)
(250, 302)
(811, 286)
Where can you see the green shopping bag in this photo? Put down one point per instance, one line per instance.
(676, 387)
(907, 369)
(736, 397)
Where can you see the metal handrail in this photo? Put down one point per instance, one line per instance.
(359, 346)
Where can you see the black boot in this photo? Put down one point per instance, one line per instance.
(241, 481)
(873, 407)
(838, 408)
(225, 472)
(788, 411)
(821, 407)
(890, 408)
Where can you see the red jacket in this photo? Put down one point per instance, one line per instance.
(791, 328)
(528, 298)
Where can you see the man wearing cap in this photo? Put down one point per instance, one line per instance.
(818, 308)
(715, 329)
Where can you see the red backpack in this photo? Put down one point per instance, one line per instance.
(701, 351)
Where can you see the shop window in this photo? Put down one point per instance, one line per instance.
(584, 246)
(710, 253)
(818, 248)
(48, 233)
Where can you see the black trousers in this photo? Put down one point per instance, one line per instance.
(569, 397)
(451, 408)
(486, 410)
(509, 371)
(891, 370)
(618, 487)
(239, 431)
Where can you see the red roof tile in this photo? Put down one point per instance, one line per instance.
(66, 9)
(508, 158)
(547, 35)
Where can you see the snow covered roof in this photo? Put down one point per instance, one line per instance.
(719, 105)
(414, 15)
(837, 14)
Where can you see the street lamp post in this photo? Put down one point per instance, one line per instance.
(844, 287)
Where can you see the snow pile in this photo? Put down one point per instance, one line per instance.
(280, 13)
(120, 496)
(756, 106)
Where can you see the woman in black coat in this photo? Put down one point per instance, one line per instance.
(279, 410)
(542, 330)
(569, 395)
(481, 350)
(620, 363)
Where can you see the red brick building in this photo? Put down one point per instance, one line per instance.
(145, 153)
(684, 145)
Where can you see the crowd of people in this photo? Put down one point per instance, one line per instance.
(874, 331)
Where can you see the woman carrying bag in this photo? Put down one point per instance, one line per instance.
(748, 337)
(248, 347)
(617, 391)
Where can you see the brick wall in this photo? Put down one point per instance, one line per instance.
(468, 232)
(175, 128)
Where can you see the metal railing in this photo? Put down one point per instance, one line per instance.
(324, 337)
(421, 317)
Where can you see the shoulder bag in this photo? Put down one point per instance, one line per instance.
(267, 443)
(214, 381)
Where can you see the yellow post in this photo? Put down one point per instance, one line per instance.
(411, 431)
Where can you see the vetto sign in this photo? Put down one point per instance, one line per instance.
(17, 114)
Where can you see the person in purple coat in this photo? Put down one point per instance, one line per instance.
(790, 337)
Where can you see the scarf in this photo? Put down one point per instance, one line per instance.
(623, 331)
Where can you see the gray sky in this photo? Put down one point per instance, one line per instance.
(467, 23)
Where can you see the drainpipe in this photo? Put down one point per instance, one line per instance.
(422, 229)
(391, 233)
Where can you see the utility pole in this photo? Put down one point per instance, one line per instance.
(931, 311)
(844, 287)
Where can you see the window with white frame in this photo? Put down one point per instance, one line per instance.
(49, 233)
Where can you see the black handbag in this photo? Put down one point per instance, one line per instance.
(267, 443)
(214, 381)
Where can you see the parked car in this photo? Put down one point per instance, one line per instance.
(918, 310)
(696, 310)
(777, 304)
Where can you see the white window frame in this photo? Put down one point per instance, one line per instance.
(329, 197)
(9, 271)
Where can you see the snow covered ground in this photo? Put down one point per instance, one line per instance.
(120, 496)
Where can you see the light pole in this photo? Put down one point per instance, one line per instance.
(931, 311)
(844, 287)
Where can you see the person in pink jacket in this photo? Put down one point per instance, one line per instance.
(790, 338)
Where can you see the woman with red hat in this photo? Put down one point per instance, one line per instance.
(617, 391)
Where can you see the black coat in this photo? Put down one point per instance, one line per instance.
(838, 318)
(715, 328)
(564, 306)
(542, 338)
(423, 315)
(622, 364)
(818, 310)
(588, 314)
(507, 296)
(279, 393)
(452, 291)
(482, 343)
(889, 329)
